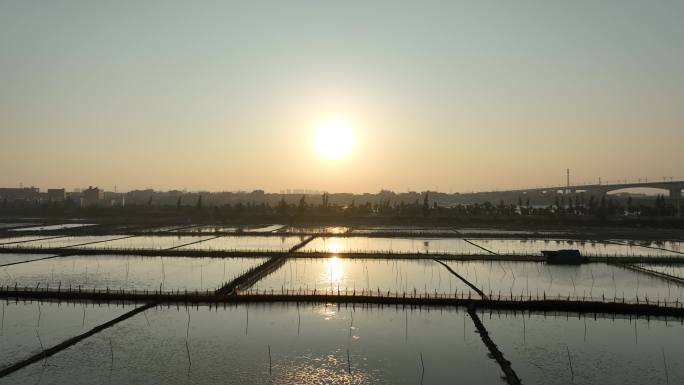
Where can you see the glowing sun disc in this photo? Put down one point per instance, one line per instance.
(334, 140)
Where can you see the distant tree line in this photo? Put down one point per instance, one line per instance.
(314, 208)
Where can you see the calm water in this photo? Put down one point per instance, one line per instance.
(675, 270)
(24, 238)
(397, 276)
(25, 325)
(248, 243)
(53, 243)
(391, 245)
(64, 226)
(11, 258)
(675, 246)
(128, 272)
(158, 242)
(590, 248)
(602, 351)
(208, 229)
(587, 280)
(404, 230)
(308, 345)
(315, 230)
(8, 225)
(508, 232)
(263, 229)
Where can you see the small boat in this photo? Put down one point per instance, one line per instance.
(563, 257)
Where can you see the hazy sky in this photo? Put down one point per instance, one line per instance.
(457, 96)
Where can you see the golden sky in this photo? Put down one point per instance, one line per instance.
(455, 96)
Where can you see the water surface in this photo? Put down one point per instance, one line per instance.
(602, 351)
(128, 272)
(391, 245)
(308, 345)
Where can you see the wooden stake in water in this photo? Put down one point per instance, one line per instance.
(111, 352)
(667, 377)
(270, 366)
(572, 372)
(348, 362)
(422, 368)
(42, 348)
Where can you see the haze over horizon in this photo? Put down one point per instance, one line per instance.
(347, 97)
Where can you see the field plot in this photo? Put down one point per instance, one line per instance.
(587, 248)
(158, 242)
(404, 230)
(675, 246)
(484, 231)
(9, 241)
(10, 225)
(6, 258)
(27, 325)
(128, 272)
(601, 351)
(314, 230)
(392, 245)
(247, 243)
(166, 228)
(593, 280)
(673, 270)
(64, 226)
(308, 345)
(363, 275)
(207, 229)
(59, 242)
(263, 229)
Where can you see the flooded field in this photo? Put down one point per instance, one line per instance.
(308, 345)
(23, 239)
(304, 343)
(263, 229)
(247, 243)
(208, 229)
(28, 327)
(59, 242)
(601, 351)
(673, 270)
(10, 225)
(592, 280)
(315, 230)
(127, 272)
(396, 276)
(675, 246)
(391, 245)
(158, 242)
(404, 230)
(6, 258)
(64, 226)
(587, 248)
(507, 232)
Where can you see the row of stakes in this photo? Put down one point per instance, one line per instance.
(346, 293)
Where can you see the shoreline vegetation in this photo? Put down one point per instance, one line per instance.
(478, 215)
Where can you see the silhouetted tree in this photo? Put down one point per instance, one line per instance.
(178, 203)
(199, 202)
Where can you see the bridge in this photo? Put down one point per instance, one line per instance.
(672, 187)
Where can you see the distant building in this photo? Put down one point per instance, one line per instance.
(20, 194)
(92, 196)
(56, 194)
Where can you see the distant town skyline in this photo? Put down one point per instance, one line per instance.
(341, 97)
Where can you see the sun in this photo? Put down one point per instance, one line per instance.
(334, 139)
